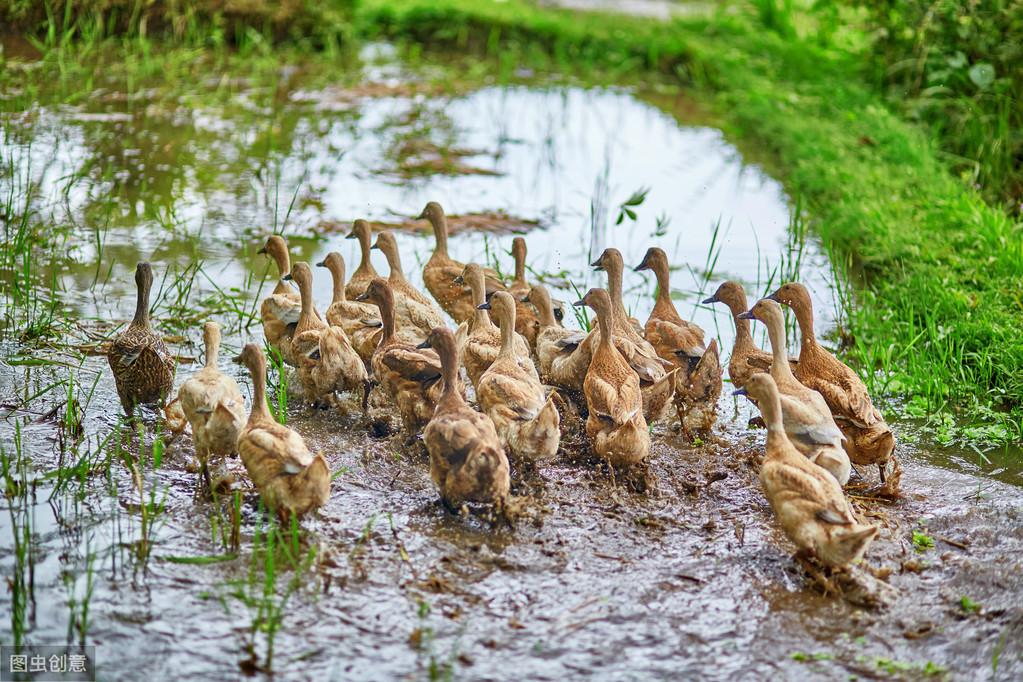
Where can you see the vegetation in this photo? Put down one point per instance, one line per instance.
(938, 267)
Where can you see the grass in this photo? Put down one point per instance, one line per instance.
(939, 268)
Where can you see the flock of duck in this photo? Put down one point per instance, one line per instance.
(382, 337)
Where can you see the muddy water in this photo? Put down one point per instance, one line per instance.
(689, 579)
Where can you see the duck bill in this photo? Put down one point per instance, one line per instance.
(262, 251)
(748, 315)
(362, 297)
(710, 299)
(288, 278)
(740, 391)
(424, 345)
(579, 304)
(459, 280)
(484, 306)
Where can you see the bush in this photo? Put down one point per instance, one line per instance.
(957, 65)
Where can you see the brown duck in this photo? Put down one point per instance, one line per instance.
(510, 393)
(467, 461)
(526, 321)
(360, 321)
(868, 438)
(408, 375)
(746, 359)
(413, 311)
(143, 367)
(365, 273)
(482, 337)
(807, 501)
(290, 478)
(441, 270)
(615, 424)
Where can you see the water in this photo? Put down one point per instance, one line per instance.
(690, 579)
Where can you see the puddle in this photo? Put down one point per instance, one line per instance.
(690, 580)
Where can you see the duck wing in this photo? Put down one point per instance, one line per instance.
(421, 365)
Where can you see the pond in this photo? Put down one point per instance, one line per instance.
(691, 578)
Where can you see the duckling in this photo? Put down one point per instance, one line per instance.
(806, 499)
(412, 310)
(526, 322)
(327, 363)
(510, 393)
(280, 310)
(213, 405)
(615, 424)
(657, 391)
(806, 417)
(665, 329)
(483, 340)
(562, 359)
(143, 367)
(746, 359)
(697, 389)
(441, 270)
(360, 321)
(365, 273)
(290, 478)
(467, 461)
(408, 375)
(868, 440)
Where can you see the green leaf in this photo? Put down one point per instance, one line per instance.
(982, 74)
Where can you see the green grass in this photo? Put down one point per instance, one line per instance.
(936, 314)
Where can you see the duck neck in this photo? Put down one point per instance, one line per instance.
(386, 307)
(338, 275)
(508, 334)
(283, 261)
(141, 318)
(605, 326)
(770, 409)
(663, 285)
(305, 291)
(743, 337)
(440, 235)
(614, 290)
(212, 350)
(365, 264)
(780, 369)
(260, 410)
(520, 268)
(397, 275)
(449, 374)
(481, 318)
(807, 340)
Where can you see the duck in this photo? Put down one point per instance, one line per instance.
(483, 339)
(510, 393)
(807, 419)
(213, 405)
(327, 362)
(561, 357)
(526, 322)
(291, 480)
(280, 310)
(143, 368)
(441, 270)
(868, 439)
(412, 310)
(365, 273)
(665, 329)
(467, 460)
(807, 500)
(697, 389)
(746, 359)
(615, 424)
(652, 369)
(360, 321)
(409, 376)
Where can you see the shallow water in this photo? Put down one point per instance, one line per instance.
(689, 579)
